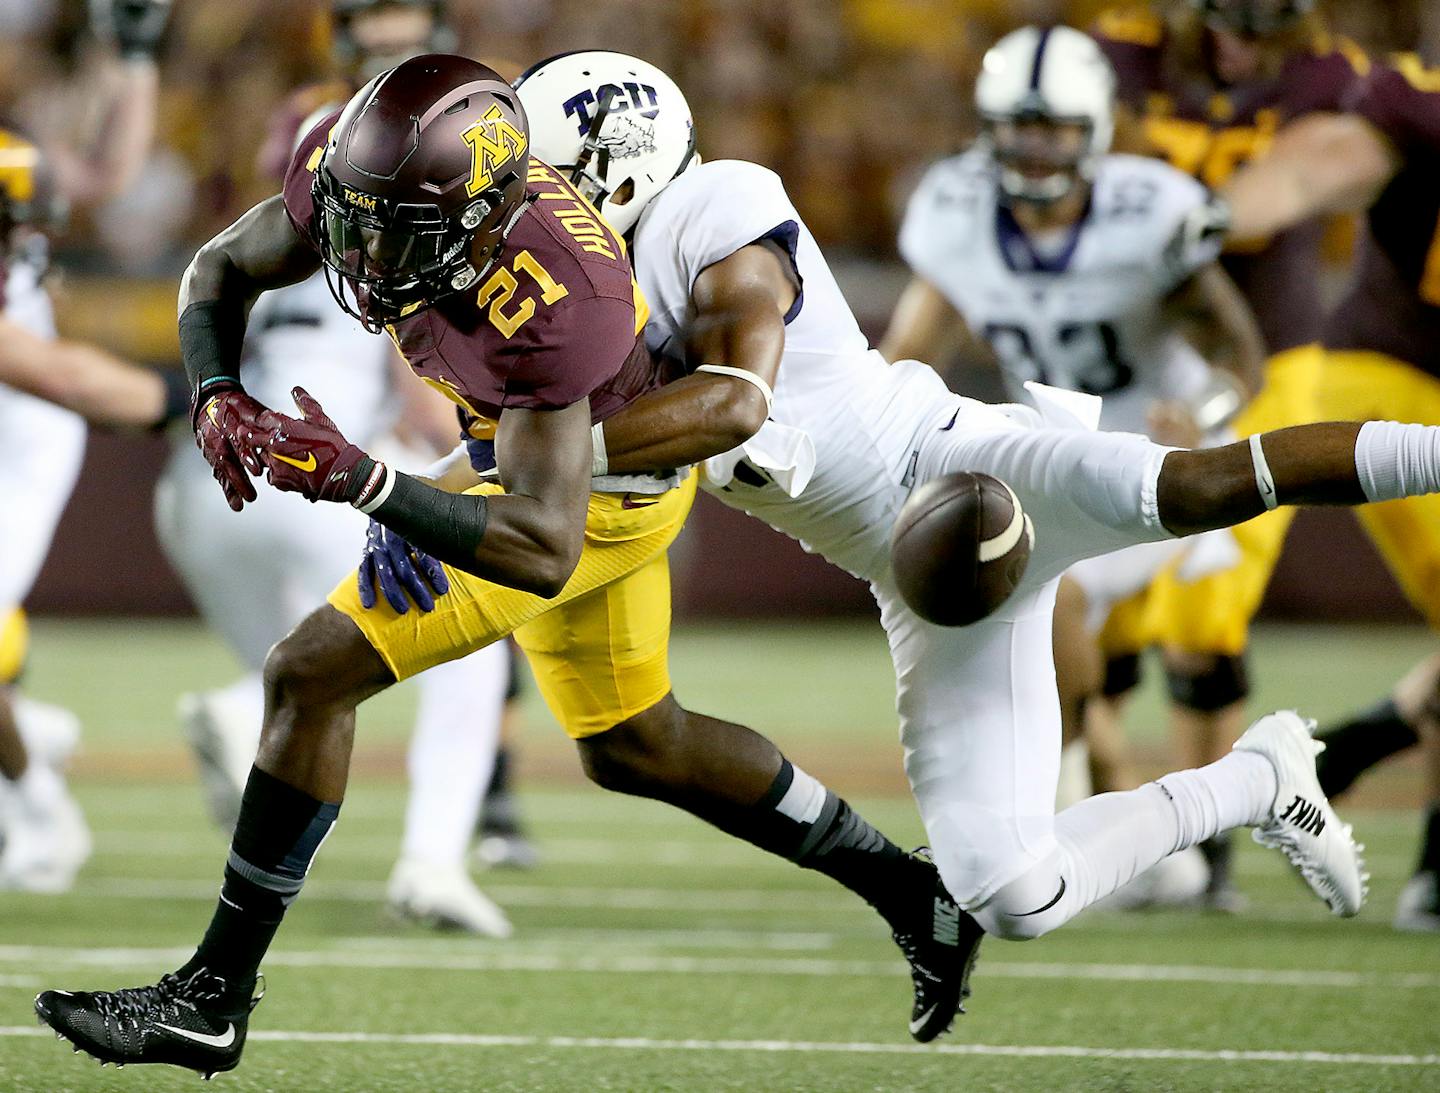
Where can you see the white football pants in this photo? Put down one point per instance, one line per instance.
(979, 715)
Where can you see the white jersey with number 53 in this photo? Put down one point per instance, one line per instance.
(1081, 310)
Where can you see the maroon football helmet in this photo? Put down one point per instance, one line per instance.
(421, 180)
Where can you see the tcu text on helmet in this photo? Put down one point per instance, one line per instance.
(623, 97)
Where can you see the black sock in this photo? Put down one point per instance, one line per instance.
(1430, 841)
(279, 831)
(801, 820)
(1357, 745)
(500, 811)
(1219, 850)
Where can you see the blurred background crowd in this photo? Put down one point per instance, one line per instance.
(847, 99)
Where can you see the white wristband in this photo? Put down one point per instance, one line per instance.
(1264, 480)
(742, 374)
(600, 459)
(381, 495)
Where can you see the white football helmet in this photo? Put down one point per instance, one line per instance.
(617, 125)
(1039, 76)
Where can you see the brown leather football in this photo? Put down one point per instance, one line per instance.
(959, 548)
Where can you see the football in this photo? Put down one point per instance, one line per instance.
(960, 547)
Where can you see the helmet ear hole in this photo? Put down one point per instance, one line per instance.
(624, 193)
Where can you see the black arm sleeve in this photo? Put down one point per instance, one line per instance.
(447, 526)
(212, 333)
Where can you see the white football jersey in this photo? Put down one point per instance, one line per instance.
(41, 449)
(298, 337)
(1082, 311)
(842, 428)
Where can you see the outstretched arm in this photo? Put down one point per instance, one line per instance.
(741, 303)
(1320, 165)
(126, 88)
(99, 387)
(923, 323)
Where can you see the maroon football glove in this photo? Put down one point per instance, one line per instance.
(218, 418)
(307, 455)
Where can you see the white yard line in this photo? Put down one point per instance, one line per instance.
(640, 1043)
(728, 900)
(501, 958)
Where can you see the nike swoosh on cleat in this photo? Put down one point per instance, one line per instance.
(918, 1023)
(307, 464)
(224, 1039)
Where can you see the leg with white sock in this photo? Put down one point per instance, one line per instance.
(452, 753)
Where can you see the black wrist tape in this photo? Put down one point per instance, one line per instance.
(447, 526)
(212, 333)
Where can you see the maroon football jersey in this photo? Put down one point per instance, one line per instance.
(1393, 305)
(1208, 133)
(557, 318)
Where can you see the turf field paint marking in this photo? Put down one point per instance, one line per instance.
(640, 1043)
(505, 958)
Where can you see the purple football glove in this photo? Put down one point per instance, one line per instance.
(399, 569)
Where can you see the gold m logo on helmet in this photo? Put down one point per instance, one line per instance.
(494, 142)
(359, 200)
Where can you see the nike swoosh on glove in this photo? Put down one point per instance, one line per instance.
(219, 417)
(401, 572)
(308, 455)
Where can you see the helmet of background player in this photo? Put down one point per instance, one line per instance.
(1046, 98)
(30, 201)
(617, 125)
(1253, 18)
(419, 184)
(371, 36)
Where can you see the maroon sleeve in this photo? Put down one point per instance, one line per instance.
(1406, 114)
(298, 205)
(1324, 83)
(571, 352)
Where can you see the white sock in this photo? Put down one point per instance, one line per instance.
(452, 753)
(1236, 790)
(38, 790)
(1109, 840)
(1394, 460)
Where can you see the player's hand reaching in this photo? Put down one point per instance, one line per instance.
(218, 417)
(136, 26)
(401, 572)
(308, 455)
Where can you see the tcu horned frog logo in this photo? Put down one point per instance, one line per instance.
(494, 142)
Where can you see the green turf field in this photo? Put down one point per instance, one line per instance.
(654, 954)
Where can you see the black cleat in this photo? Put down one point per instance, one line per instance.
(941, 948)
(194, 1022)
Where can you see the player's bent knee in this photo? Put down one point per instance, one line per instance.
(1208, 684)
(324, 662)
(635, 756)
(1028, 907)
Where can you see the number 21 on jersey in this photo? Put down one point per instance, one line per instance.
(506, 314)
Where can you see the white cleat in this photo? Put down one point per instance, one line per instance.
(1418, 909)
(44, 846)
(224, 741)
(51, 733)
(445, 897)
(1302, 824)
